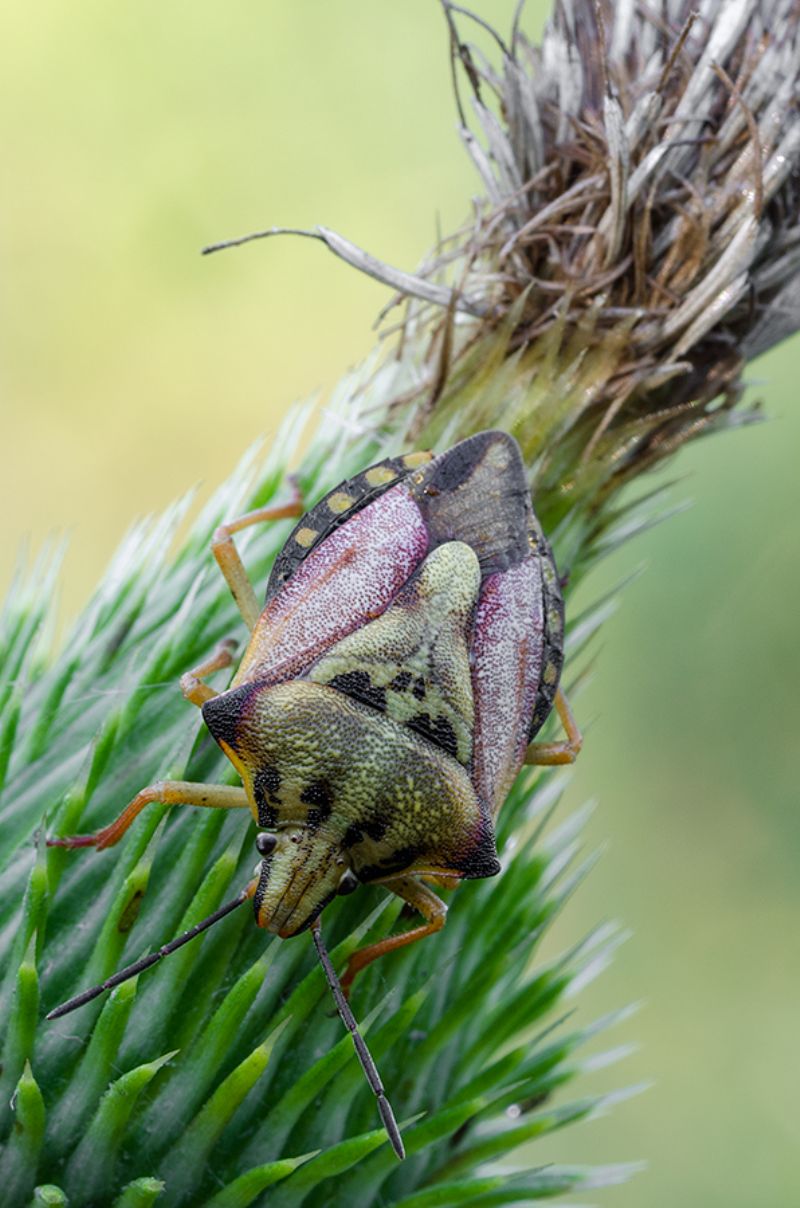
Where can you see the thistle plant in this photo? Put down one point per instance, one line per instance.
(637, 241)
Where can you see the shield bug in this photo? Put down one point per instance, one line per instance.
(408, 652)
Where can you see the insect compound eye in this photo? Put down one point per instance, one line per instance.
(348, 882)
(265, 843)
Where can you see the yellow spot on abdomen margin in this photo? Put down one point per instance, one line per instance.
(378, 475)
(306, 537)
(339, 502)
(412, 460)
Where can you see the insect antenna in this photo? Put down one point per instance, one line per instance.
(147, 961)
(362, 1052)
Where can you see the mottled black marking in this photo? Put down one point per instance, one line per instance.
(482, 861)
(438, 731)
(418, 691)
(261, 888)
(269, 779)
(352, 836)
(397, 862)
(358, 685)
(319, 796)
(376, 825)
(223, 713)
(401, 681)
(265, 783)
(402, 857)
(267, 815)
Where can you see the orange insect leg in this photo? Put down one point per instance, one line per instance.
(192, 687)
(431, 907)
(164, 792)
(229, 561)
(566, 751)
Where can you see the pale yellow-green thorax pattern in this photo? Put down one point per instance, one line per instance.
(416, 656)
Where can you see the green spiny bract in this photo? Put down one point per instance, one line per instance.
(600, 307)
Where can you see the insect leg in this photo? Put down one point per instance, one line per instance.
(165, 792)
(431, 907)
(230, 563)
(191, 686)
(567, 750)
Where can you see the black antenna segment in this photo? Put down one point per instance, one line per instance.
(362, 1052)
(147, 961)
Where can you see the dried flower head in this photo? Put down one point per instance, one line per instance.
(637, 242)
(642, 221)
(659, 177)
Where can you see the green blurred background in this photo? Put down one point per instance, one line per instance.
(134, 369)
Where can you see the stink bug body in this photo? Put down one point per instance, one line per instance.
(408, 651)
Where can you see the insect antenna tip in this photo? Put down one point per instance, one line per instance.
(390, 1124)
(362, 1052)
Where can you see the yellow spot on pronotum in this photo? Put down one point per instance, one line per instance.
(412, 460)
(306, 537)
(379, 475)
(339, 502)
(549, 676)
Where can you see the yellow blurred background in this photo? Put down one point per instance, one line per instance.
(134, 369)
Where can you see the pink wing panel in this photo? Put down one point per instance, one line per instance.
(507, 647)
(349, 579)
